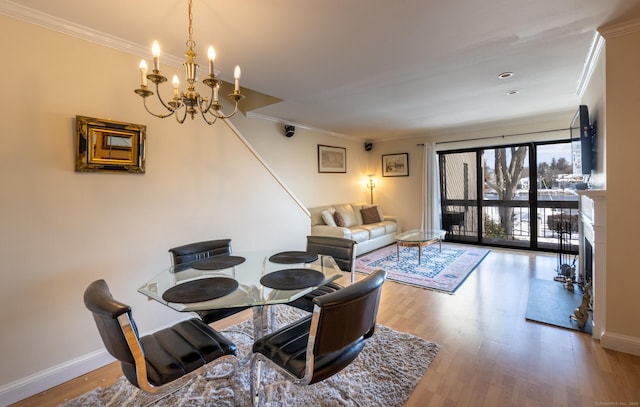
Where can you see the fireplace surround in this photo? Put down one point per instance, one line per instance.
(593, 253)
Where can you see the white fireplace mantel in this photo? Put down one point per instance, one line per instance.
(593, 206)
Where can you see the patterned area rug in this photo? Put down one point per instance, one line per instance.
(384, 374)
(441, 271)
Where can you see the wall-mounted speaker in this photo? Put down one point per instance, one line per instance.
(368, 146)
(289, 130)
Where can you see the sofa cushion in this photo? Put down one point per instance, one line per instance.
(348, 214)
(339, 220)
(374, 229)
(359, 235)
(316, 214)
(328, 219)
(370, 215)
(389, 226)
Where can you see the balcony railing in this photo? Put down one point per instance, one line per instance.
(553, 220)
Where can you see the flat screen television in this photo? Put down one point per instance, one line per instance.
(582, 142)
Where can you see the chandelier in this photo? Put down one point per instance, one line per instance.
(189, 102)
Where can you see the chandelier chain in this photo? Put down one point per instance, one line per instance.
(191, 44)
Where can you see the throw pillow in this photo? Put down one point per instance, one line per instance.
(339, 219)
(327, 217)
(370, 215)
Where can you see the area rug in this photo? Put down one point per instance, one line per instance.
(384, 374)
(442, 271)
(551, 303)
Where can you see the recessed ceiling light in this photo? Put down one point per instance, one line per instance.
(513, 92)
(505, 75)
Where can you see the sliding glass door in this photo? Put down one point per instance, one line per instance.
(511, 196)
(506, 203)
(459, 194)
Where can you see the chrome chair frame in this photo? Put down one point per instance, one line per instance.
(374, 281)
(105, 308)
(141, 366)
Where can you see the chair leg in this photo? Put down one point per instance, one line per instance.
(272, 318)
(255, 378)
(260, 320)
(223, 374)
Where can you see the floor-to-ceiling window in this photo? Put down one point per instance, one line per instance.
(520, 195)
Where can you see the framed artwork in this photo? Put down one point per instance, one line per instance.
(395, 165)
(332, 159)
(107, 145)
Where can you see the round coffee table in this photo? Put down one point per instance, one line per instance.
(420, 238)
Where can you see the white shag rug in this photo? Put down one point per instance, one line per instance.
(384, 374)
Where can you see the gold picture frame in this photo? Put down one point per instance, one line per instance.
(107, 145)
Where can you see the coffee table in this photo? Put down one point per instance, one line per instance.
(420, 238)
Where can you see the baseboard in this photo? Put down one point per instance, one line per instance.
(619, 342)
(53, 376)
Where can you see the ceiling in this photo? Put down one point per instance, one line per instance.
(372, 69)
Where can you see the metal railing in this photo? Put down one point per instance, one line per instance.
(552, 219)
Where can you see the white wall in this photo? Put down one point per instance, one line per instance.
(295, 160)
(62, 229)
(623, 195)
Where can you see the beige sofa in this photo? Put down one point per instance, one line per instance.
(360, 223)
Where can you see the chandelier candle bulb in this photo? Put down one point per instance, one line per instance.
(236, 75)
(211, 53)
(143, 72)
(176, 83)
(155, 51)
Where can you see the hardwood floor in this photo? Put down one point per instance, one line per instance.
(490, 355)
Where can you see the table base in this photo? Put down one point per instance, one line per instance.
(420, 246)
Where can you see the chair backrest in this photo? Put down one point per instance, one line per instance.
(342, 250)
(200, 250)
(108, 313)
(345, 316)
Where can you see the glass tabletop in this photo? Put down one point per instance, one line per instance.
(248, 270)
(419, 235)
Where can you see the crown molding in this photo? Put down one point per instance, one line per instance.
(47, 21)
(620, 29)
(590, 64)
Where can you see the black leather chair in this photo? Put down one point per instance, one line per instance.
(161, 362)
(344, 253)
(199, 251)
(322, 344)
(342, 250)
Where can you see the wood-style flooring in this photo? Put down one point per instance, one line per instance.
(490, 355)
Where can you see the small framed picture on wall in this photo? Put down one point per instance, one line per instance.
(332, 159)
(395, 165)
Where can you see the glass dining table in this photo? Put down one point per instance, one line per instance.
(254, 279)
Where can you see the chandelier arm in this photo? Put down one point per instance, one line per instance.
(208, 103)
(184, 116)
(161, 116)
(204, 117)
(204, 105)
(166, 106)
(220, 115)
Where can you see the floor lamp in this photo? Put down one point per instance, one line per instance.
(371, 185)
